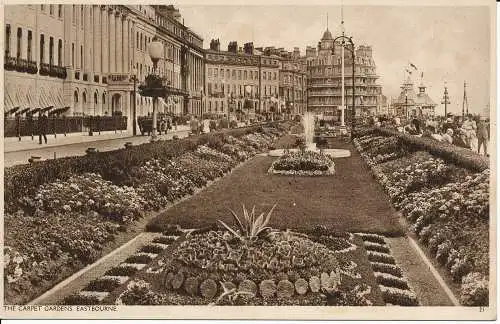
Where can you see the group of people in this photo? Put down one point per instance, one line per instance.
(472, 133)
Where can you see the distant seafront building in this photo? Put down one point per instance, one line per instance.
(324, 86)
(412, 104)
(85, 56)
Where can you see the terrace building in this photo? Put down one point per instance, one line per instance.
(240, 80)
(84, 58)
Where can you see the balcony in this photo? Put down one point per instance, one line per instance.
(57, 71)
(9, 63)
(118, 78)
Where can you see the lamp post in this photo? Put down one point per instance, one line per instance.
(350, 48)
(155, 51)
(406, 106)
(134, 98)
(446, 101)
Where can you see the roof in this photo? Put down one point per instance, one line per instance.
(327, 35)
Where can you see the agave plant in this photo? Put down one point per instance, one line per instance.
(250, 227)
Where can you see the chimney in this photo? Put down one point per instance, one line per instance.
(232, 47)
(248, 48)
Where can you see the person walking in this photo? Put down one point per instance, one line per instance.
(482, 136)
(43, 122)
(194, 125)
(448, 136)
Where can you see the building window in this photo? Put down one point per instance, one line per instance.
(30, 45)
(7, 40)
(42, 47)
(72, 55)
(51, 51)
(209, 72)
(95, 98)
(59, 11)
(264, 76)
(274, 76)
(103, 98)
(245, 75)
(19, 41)
(227, 74)
(81, 16)
(42, 7)
(215, 72)
(59, 53)
(234, 74)
(222, 73)
(75, 97)
(74, 15)
(81, 57)
(137, 40)
(51, 9)
(239, 74)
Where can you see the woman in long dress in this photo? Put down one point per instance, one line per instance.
(473, 141)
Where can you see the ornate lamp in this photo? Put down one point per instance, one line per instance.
(155, 51)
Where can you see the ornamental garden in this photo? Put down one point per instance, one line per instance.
(229, 225)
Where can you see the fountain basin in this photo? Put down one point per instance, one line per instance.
(335, 153)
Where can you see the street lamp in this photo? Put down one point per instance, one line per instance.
(343, 39)
(155, 51)
(134, 108)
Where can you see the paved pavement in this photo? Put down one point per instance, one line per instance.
(18, 152)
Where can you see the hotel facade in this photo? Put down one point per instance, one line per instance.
(325, 78)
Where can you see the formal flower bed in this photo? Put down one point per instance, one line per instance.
(306, 163)
(60, 225)
(448, 209)
(252, 264)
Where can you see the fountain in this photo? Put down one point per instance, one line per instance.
(308, 124)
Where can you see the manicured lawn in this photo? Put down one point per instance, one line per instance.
(350, 200)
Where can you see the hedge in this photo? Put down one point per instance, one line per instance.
(22, 180)
(448, 152)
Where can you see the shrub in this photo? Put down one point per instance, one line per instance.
(474, 290)
(106, 284)
(387, 268)
(121, 271)
(399, 297)
(152, 249)
(77, 299)
(391, 281)
(380, 257)
(141, 258)
(376, 247)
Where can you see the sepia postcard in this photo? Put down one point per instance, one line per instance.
(327, 160)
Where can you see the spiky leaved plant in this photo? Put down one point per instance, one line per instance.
(249, 227)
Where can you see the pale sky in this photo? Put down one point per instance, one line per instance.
(447, 44)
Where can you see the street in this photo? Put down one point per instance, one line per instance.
(74, 149)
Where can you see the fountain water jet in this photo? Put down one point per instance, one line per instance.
(308, 124)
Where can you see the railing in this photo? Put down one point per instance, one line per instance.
(58, 71)
(119, 78)
(15, 127)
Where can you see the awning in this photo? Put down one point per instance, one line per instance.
(8, 102)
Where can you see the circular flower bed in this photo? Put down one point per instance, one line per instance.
(279, 268)
(307, 163)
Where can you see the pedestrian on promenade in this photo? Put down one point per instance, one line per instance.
(448, 125)
(194, 125)
(469, 126)
(482, 136)
(43, 122)
(448, 136)
(461, 139)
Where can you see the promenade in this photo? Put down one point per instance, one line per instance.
(18, 152)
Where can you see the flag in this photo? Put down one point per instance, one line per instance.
(413, 66)
(408, 71)
(422, 75)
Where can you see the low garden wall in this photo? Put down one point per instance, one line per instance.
(60, 214)
(443, 192)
